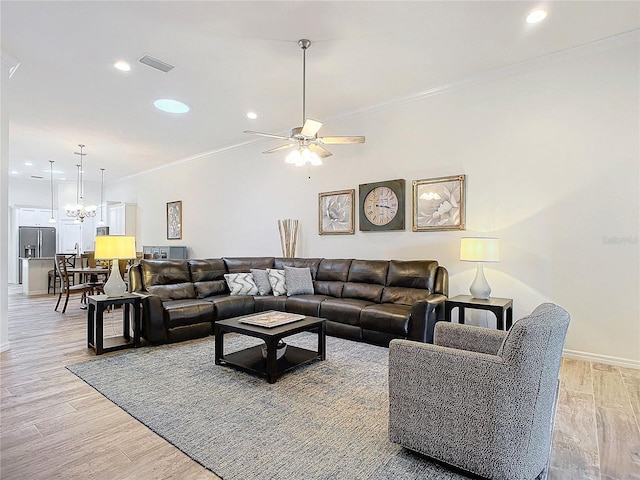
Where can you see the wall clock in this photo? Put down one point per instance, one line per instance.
(382, 206)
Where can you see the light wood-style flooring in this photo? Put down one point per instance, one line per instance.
(54, 426)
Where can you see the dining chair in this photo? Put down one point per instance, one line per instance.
(53, 278)
(66, 283)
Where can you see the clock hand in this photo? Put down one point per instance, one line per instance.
(383, 206)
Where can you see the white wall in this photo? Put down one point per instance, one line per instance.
(551, 154)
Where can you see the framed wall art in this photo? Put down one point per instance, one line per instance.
(174, 220)
(336, 212)
(439, 204)
(382, 206)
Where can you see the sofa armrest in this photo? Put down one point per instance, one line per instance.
(468, 337)
(424, 315)
(152, 327)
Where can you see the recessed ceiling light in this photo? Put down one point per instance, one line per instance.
(122, 65)
(252, 115)
(28, 164)
(14, 172)
(536, 15)
(171, 106)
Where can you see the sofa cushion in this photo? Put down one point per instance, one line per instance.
(178, 313)
(174, 291)
(241, 283)
(298, 281)
(386, 317)
(207, 269)
(403, 296)
(368, 271)
(310, 263)
(211, 287)
(363, 291)
(308, 305)
(277, 281)
(333, 270)
(163, 272)
(261, 277)
(228, 306)
(344, 310)
(269, 302)
(245, 264)
(412, 274)
(332, 289)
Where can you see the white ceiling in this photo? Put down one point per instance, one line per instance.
(232, 57)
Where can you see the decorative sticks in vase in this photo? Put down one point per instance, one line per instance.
(288, 237)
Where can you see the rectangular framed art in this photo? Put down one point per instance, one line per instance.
(336, 212)
(174, 220)
(439, 204)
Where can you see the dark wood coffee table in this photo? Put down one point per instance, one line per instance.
(251, 359)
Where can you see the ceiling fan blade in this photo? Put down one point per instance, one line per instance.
(281, 147)
(271, 135)
(320, 151)
(310, 128)
(340, 140)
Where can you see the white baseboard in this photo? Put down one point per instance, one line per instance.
(594, 357)
(4, 347)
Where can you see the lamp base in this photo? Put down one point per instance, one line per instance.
(115, 286)
(480, 289)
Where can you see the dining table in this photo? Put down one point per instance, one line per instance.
(84, 276)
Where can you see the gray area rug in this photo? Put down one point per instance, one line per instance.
(325, 420)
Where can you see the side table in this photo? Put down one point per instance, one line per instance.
(95, 327)
(499, 307)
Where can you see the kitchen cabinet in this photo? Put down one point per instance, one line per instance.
(122, 218)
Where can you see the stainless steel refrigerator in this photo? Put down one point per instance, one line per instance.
(35, 242)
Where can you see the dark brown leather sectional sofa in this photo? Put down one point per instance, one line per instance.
(373, 301)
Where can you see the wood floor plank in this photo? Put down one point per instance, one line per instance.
(575, 375)
(609, 390)
(619, 444)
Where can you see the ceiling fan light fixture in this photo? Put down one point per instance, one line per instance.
(302, 156)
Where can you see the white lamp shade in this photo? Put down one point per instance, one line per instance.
(479, 249)
(110, 247)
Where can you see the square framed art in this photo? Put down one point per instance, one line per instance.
(174, 220)
(439, 204)
(336, 212)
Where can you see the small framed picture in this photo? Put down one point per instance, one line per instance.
(336, 211)
(174, 220)
(439, 204)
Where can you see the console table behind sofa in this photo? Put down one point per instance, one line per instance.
(367, 300)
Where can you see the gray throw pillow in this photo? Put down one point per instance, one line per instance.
(261, 277)
(241, 283)
(276, 279)
(298, 281)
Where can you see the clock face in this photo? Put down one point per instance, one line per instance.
(381, 205)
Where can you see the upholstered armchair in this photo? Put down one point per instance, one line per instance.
(481, 400)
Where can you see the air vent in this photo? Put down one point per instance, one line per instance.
(36, 176)
(155, 63)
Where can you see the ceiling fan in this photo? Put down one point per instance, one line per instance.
(308, 146)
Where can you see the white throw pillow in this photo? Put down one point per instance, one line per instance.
(298, 281)
(261, 277)
(277, 281)
(241, 283)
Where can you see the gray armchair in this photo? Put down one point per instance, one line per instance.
(481, 400)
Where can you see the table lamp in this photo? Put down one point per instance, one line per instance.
(115, 247)
(479, 250)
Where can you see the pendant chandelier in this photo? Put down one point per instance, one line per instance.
(101, 222)
(79, 211)
(52, 219)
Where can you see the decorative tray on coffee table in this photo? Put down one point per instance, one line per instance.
(271, 319)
